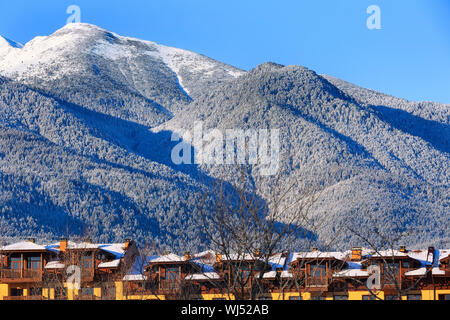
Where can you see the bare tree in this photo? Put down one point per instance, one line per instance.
(247, 227)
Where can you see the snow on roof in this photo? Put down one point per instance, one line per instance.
(443, 254)
(318, 255)
(55, 265)
(110, 264)
(23, 246)
(203, 276)
(277, 260)
(270, 275)
(207, 257)
(117, 249)
(389, 254)
(168, 258)
(351, 273)
(134, 277)
(239, 257)
(273, 274)
(422, 271)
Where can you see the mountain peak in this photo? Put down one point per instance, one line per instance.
(81, 25)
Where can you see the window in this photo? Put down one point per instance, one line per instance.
(86, 262)
(318, 270)
(295, 298)
(172, 274)
(414, 297)
(15, 292)
(340, 297)
(391, 272)
(16, 263)
(391, 297)
(60, 293)
(265, 298)
(369, 297)
(444, 297)
(34, 263)
(87, 291)
(406, 264)
(317, 275)
(109, 292)
(35, 292)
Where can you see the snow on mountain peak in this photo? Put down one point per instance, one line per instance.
(71, 49)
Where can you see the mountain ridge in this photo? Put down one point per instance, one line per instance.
(93, 119)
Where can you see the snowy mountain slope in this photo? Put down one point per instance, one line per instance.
(141, 79)
(86, 118)
(63, 167)
(427, 110)
(399, 175)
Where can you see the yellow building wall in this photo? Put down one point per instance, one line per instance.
(357, 295)
(98, 292)
(211, 296)
(119, 290)
(71, 293)
(285, 295)
(4, 291)
(429, 294)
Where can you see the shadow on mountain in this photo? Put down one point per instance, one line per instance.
(433, 132)
(355, 147)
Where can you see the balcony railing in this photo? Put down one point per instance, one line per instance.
(23, 298)
(170, 284)
(317, 281)
(10, 274)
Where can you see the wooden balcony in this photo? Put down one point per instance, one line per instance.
(87, 297)
(24, 298)
(169, 285)
(28, 275)
(317, 283)
(87, 275)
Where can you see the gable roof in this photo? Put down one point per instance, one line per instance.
(23, 246)
(168, 258)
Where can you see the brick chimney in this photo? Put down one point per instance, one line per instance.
(356, 254)
(32, 240)
(314, 249)
(218, 257)
(127, 243)
(403, 249)
(63, 244)
(431, 252)
(187, 256)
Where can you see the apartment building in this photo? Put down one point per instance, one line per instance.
(85, 270)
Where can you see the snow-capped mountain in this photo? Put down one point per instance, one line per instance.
(86, 118)
(144, 81)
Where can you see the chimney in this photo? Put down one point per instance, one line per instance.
(430, 252)
(186, 256)
(32, 240)
(403, 249)
(314, 249)
(356, 254)
(218, 257)
(127, 243)
(257, 253)
(63, 244)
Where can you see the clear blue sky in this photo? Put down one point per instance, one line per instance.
(409, 57)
